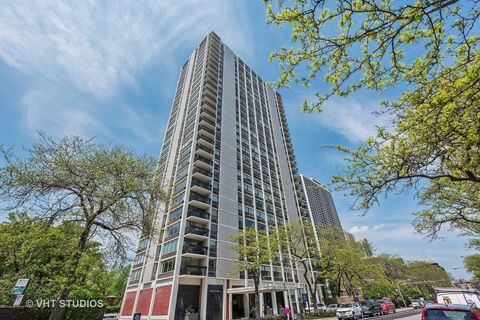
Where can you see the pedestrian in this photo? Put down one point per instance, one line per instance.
(287, 312)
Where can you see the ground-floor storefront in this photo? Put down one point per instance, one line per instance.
(212, 299)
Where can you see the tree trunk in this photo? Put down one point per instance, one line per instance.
(256, 281)
(57, 311)
(312, 289)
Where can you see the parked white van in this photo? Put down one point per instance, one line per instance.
(458, 296)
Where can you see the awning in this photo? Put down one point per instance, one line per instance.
(263, 288)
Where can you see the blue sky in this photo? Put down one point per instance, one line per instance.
(109, 70)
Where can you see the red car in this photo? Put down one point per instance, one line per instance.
(386, 306)
(450, 311)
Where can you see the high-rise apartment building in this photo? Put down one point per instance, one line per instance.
(228, 163)
(319, 204)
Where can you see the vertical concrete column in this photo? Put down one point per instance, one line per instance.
(260, 312)
(274, 303)
(246, 307)
(203, 298)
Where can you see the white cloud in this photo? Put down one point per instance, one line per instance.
(95, 46)
(378, 227)
(80, 53)
(351, 119)
(47, 109)
(359, 229)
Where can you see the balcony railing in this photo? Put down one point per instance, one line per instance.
(198, 213)
(202, 171)
(206, 149)
(193, 270)
(198, 197)
(206, 139)
(201, 184)
(196, 230)
(204, 160)
(196, 249)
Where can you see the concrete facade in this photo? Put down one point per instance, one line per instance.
(228, 164)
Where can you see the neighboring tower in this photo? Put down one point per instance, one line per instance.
(228, 163)
(366, 247)
(319, 203)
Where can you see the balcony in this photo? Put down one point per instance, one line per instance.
(202, 174)
(193, 270)
(204, 121)
(201, 187)
(204, 152)
(206, 131)
(193, 250)
(198, 215)
(196, 233)
(205, 141)
(199, 201)
(204, 111)
(204, 163)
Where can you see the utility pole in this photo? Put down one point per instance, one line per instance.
(401, 295)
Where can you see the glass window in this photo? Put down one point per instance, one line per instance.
(143, 244)
(173, 229)
(170, 246)
(168, 265)
(139, 258)
(135, 274)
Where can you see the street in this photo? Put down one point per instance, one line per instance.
(406, 314)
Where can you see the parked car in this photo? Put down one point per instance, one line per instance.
(450, 311)
(418, 303)
(387, 306)
(320, 307)
(370, 308)
(349, 311)
(332, 307)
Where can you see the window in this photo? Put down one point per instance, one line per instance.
(181, 186)
(249, 223)
(168, 265)
(139, 258)
(135, 274)
(170, 246)
(143, 244)
(177, 213)
(173, 229)
(179, 198)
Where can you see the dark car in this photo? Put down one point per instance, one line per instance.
(450, 312)
(370, 308)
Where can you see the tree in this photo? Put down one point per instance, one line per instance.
(431, 144)
(302, 246)
(344, 264)
(31, 249)
(371, 44)
(108, 192)
(427, 275)
(253, 250)
(472, 264)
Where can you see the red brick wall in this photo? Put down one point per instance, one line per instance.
(162, 300)
(143, 303)
(128, 303)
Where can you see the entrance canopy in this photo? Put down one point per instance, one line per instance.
(263, 288)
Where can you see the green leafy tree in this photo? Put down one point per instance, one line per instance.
(31, 249)
(472, 264)
(425, 276)
(303, 249)
(108, 192)
(253, 248)
(371, 44)
(344, 264)
(431, 144)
